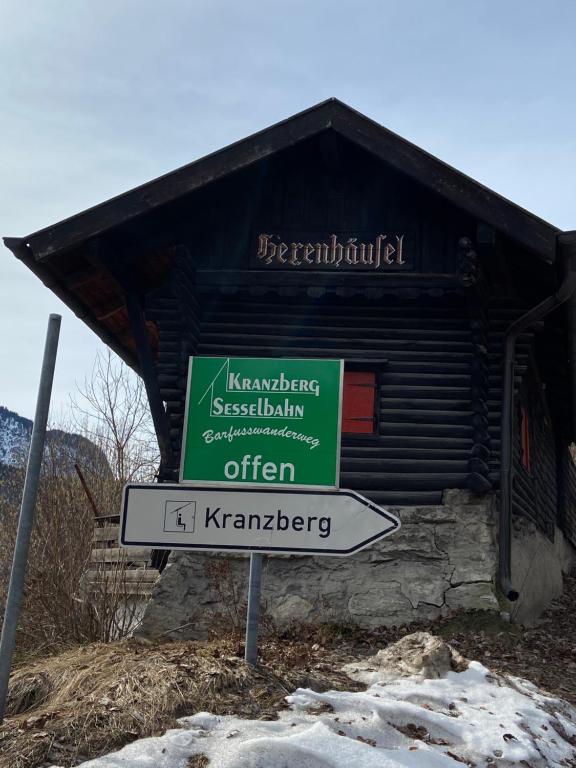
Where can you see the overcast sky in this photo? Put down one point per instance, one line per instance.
(99, 96)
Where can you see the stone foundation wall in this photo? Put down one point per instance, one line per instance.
(444, 558)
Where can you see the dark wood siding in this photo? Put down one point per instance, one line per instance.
(175, 310)
(313, 190)
(500, 315)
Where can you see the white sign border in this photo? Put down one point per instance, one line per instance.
(395, 521)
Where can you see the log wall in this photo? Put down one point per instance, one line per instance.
(439, 366)
(423, 351)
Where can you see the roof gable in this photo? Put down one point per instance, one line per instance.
(528, 230)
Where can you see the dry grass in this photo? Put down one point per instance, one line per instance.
(93, 699)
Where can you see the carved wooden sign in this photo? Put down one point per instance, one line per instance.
(342, 251)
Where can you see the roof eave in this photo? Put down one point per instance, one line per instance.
(22, 252)
(533, 233)
(164, 189)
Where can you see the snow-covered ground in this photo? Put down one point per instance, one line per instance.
(469, 718)
(15, 434)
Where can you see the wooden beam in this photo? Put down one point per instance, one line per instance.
(103, 313)
(149, 375)
(276, 279)
(103, 253)
(81, 277)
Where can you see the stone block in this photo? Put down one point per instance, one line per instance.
(292, 608)
(422, 583)
(386, 606)
(471, 549)
(414, 540)
(472, 597)
(458, 497)
(538, 565)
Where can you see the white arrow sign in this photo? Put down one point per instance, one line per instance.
(292, 522)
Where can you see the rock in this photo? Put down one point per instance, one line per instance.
(420, 654)
(136, 640)
(293, 608)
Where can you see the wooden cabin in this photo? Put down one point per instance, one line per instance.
(327, 235)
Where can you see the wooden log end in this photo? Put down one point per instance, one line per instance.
(477, 483)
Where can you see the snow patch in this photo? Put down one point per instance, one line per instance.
(466, 718)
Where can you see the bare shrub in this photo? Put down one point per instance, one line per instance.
(229, 617)
(112, 410)
(70, 599)
(53, 612)
(232, 610)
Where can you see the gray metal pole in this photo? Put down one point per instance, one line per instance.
(253, 610)
(20, 559)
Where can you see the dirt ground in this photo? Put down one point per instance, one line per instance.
(544, 654)
(90, 700)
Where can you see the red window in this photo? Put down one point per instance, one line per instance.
(358, 414)
(525, 439)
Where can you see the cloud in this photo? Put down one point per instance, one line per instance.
(100, 97)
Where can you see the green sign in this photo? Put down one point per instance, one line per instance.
(262, 421)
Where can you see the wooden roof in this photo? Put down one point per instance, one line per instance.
(487, 206)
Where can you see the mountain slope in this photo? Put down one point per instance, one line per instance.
(15, 434)
(68, 447)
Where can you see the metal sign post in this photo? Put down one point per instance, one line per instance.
(260, 471)
(26, 520)
(253, 609)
